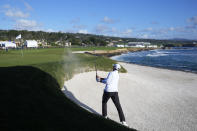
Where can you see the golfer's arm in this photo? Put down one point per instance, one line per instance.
(106, 80)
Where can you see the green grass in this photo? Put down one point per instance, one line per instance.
(30, 56)
(32, 99)
(59, 62)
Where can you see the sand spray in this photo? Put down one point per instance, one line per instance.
(73, 64)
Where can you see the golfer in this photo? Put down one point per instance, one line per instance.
(111, 91)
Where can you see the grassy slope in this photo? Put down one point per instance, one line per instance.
(58, 62)
(33, 99)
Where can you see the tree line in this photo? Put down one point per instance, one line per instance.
(83, 39)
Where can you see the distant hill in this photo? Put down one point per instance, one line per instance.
(181, 39)
(83, 39)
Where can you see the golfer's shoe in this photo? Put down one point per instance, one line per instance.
(105, 117)
(124, 124)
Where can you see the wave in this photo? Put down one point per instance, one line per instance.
(185, 60)
(156, 55)
(165, 52)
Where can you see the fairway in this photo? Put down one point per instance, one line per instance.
(30, 56)
(38, 56)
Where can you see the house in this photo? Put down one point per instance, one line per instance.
(138, 44)
(59, 43)
(141, 45)
(7, 44)
(63, 43)
(68, 44)
(31, 44)
(42, 43)
(110, 44)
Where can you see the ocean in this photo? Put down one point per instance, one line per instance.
(184, 59)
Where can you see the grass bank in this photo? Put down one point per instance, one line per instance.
(32, 100)
(58, 62)
(31, 95)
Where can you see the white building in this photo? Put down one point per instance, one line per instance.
(7, 44)
(153, 46)
(31, 43)
(138, 44)
(119, 45)
(68, 44)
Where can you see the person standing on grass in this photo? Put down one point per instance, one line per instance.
(111, 91)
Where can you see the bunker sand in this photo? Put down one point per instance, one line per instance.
(151, 98)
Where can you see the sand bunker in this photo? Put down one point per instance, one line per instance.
(151, 98)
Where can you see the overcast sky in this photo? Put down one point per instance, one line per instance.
(160, 19)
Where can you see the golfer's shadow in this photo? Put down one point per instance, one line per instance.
(74, 99)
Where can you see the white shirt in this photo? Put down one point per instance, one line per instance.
(111, 82)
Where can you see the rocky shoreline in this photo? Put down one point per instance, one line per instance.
(110, 53)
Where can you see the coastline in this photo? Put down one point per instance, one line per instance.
(157, 67)
(119, 52)
(152, 98)
(188, 70)
(110, 53)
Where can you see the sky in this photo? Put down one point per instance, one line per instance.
(152, 19)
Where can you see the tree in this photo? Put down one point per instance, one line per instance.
(75, 41)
